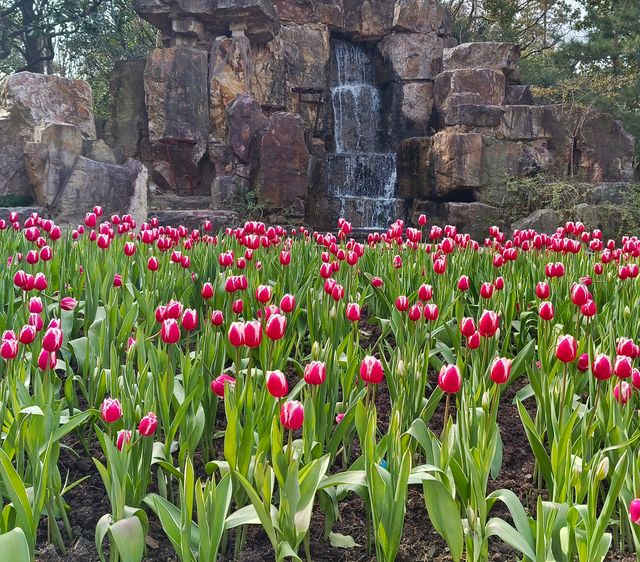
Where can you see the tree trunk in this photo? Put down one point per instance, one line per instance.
(37, 53)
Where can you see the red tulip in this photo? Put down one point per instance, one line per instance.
(47, 360)
(90, 220)
(402, 303)
(207, 291)
(264, 294)
(170, 331)
(623, 367)
(579, 294)
(450, 379)
(219, 384)
(500, 370)
(123, 437)
(52, 339)
(589, 309)
(152, 264)
(40, 282)
(425, 292)
(111, 410)
(277, 384)
(237, 306)
(129, 249)
(190, 319)
(9, 349)
(174, 309)
(499, 283)
(422, 220)
(148, 425)
(431, 312)
(315, 373)
(288, 303)
(275, 326)
(583, 362)
(236, 334)
(68, 303)
(488, 324)
(117, 280)
(566, 349)
(486, 290)
(353, 312)
(415, 312)
(473, 341)
(622, 392)
(542, 290)
(602, 368)
(217, 318)
(635, 378)
(545, 310)
(35, 305)
(252, 333)
(376, 282)
(463, 283)
(371, 371)
(625, 346)
(634, 511)
(292, 415)
(467, 326)
(27, 334)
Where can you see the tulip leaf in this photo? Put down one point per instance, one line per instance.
(445, 516)
(509, 535)
(338, 540)
(128, 537)
(14, 546)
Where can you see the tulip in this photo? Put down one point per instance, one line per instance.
(292, 415)
(217, 318)
(40, 282)
(27, 334)
(152, 264)
(579, 294)
(625, 346)
(275, 326)
(450, 379)
(123, 437)
(36, 321)
(602, 368)
(190, 319)
(174, 309)
(315, 373)
(52, 339)
(589, 309)
(463, 283)
(425, 292)
(68, 303)
(623, 367)
(9, 349)
(473, 341)
(371, 371)
(488, 324)
(111, 410)
(634, 511)
(545, 310)
(542, 290)
(170, 331)
(622, 392)
(35, 305)
(500, 370)
(237, 306)
(583, 362)
(207, 291)
(486, 290)
(129, 249)
(277, 384)
(47, 360)
(467, 326)
(252, 333)
(148, 425)
(219, 384)
(117, 280)
(431, 312)
(288, 303)
(402, 303)
(353, 312)
(236, 334)
(376, 282)
(566, 349)
(635, 378)
(499, 283)
(415, 312)
(161, 313)
(264, 294)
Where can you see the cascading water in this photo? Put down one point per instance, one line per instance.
(362, 171)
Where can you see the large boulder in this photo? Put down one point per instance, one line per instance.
(230, 71)
(245, 123)
(411, 109)
(67, 183)
(421, 16)
(469, 86)
(412, 56)
(457, 162)
(127, 122)
(472, 218)
(26, 101)
(281, 178)
(329, 12)
(414, 168)
(529, 122)
(541, 220)
(471, 115)
(211, 17)
(498, 56)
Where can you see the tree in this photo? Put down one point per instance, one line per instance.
(29, 28)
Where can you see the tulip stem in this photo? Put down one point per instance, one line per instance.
(446, 415)
(564, 388)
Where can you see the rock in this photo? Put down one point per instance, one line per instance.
(457, 162)
(421, 16)
(27, 100)
(529, 122)
(472, 218)
(474, 115)
(195, 219)
(411, 56)
(169, 200)
(368, 19)
(501, 160)
(23, 212)
(503, 57)
(216, 17)
(613, 193)
(229, 192)
(364, 214)
(411, 110)
(176, 96)
(607, 218)
(281, 178)
(230, 71)
(465, 86)
(245, 122)
(127, 124)
(542, 221)
(519, 95)
(414, 167)
(98, 150)
(605, 151)
(329, 12)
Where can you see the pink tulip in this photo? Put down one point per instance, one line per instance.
(148, 424)
(277, 384)
(292, 415)
(111, 410)
(371, 371)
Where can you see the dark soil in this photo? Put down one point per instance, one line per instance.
(88, 502)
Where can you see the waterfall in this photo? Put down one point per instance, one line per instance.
(362, 171)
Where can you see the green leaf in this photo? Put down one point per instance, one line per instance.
(500, 528)
(338, 540)
(14, 546)
(445, 515)
(128, 537)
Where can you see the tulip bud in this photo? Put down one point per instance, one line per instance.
(500, 370)
(315, 373)
(207, 290)
(450, 379)
(566, 349)
(190, 319)
(170, 331)
(488, 324)
(288, 303)
(292, 415)
(219, 384)
(27, 334)
(371, 371)
(152, 264)
(277, 384)
(473, 341)
(431, 312)
(148, 425)
(542, 290)
(217, 318)
(583, 362)
(264, 294)
(276, 326)
(425, 292)
(252, 333)
(402, 303)
(68, 303)
(111, 410)
(603, 469)
(602, 369)
(9, 349)
(52, 339)
(634, 511)
(123, 437)
(623, 366)
(545, 310)
(463, 283)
